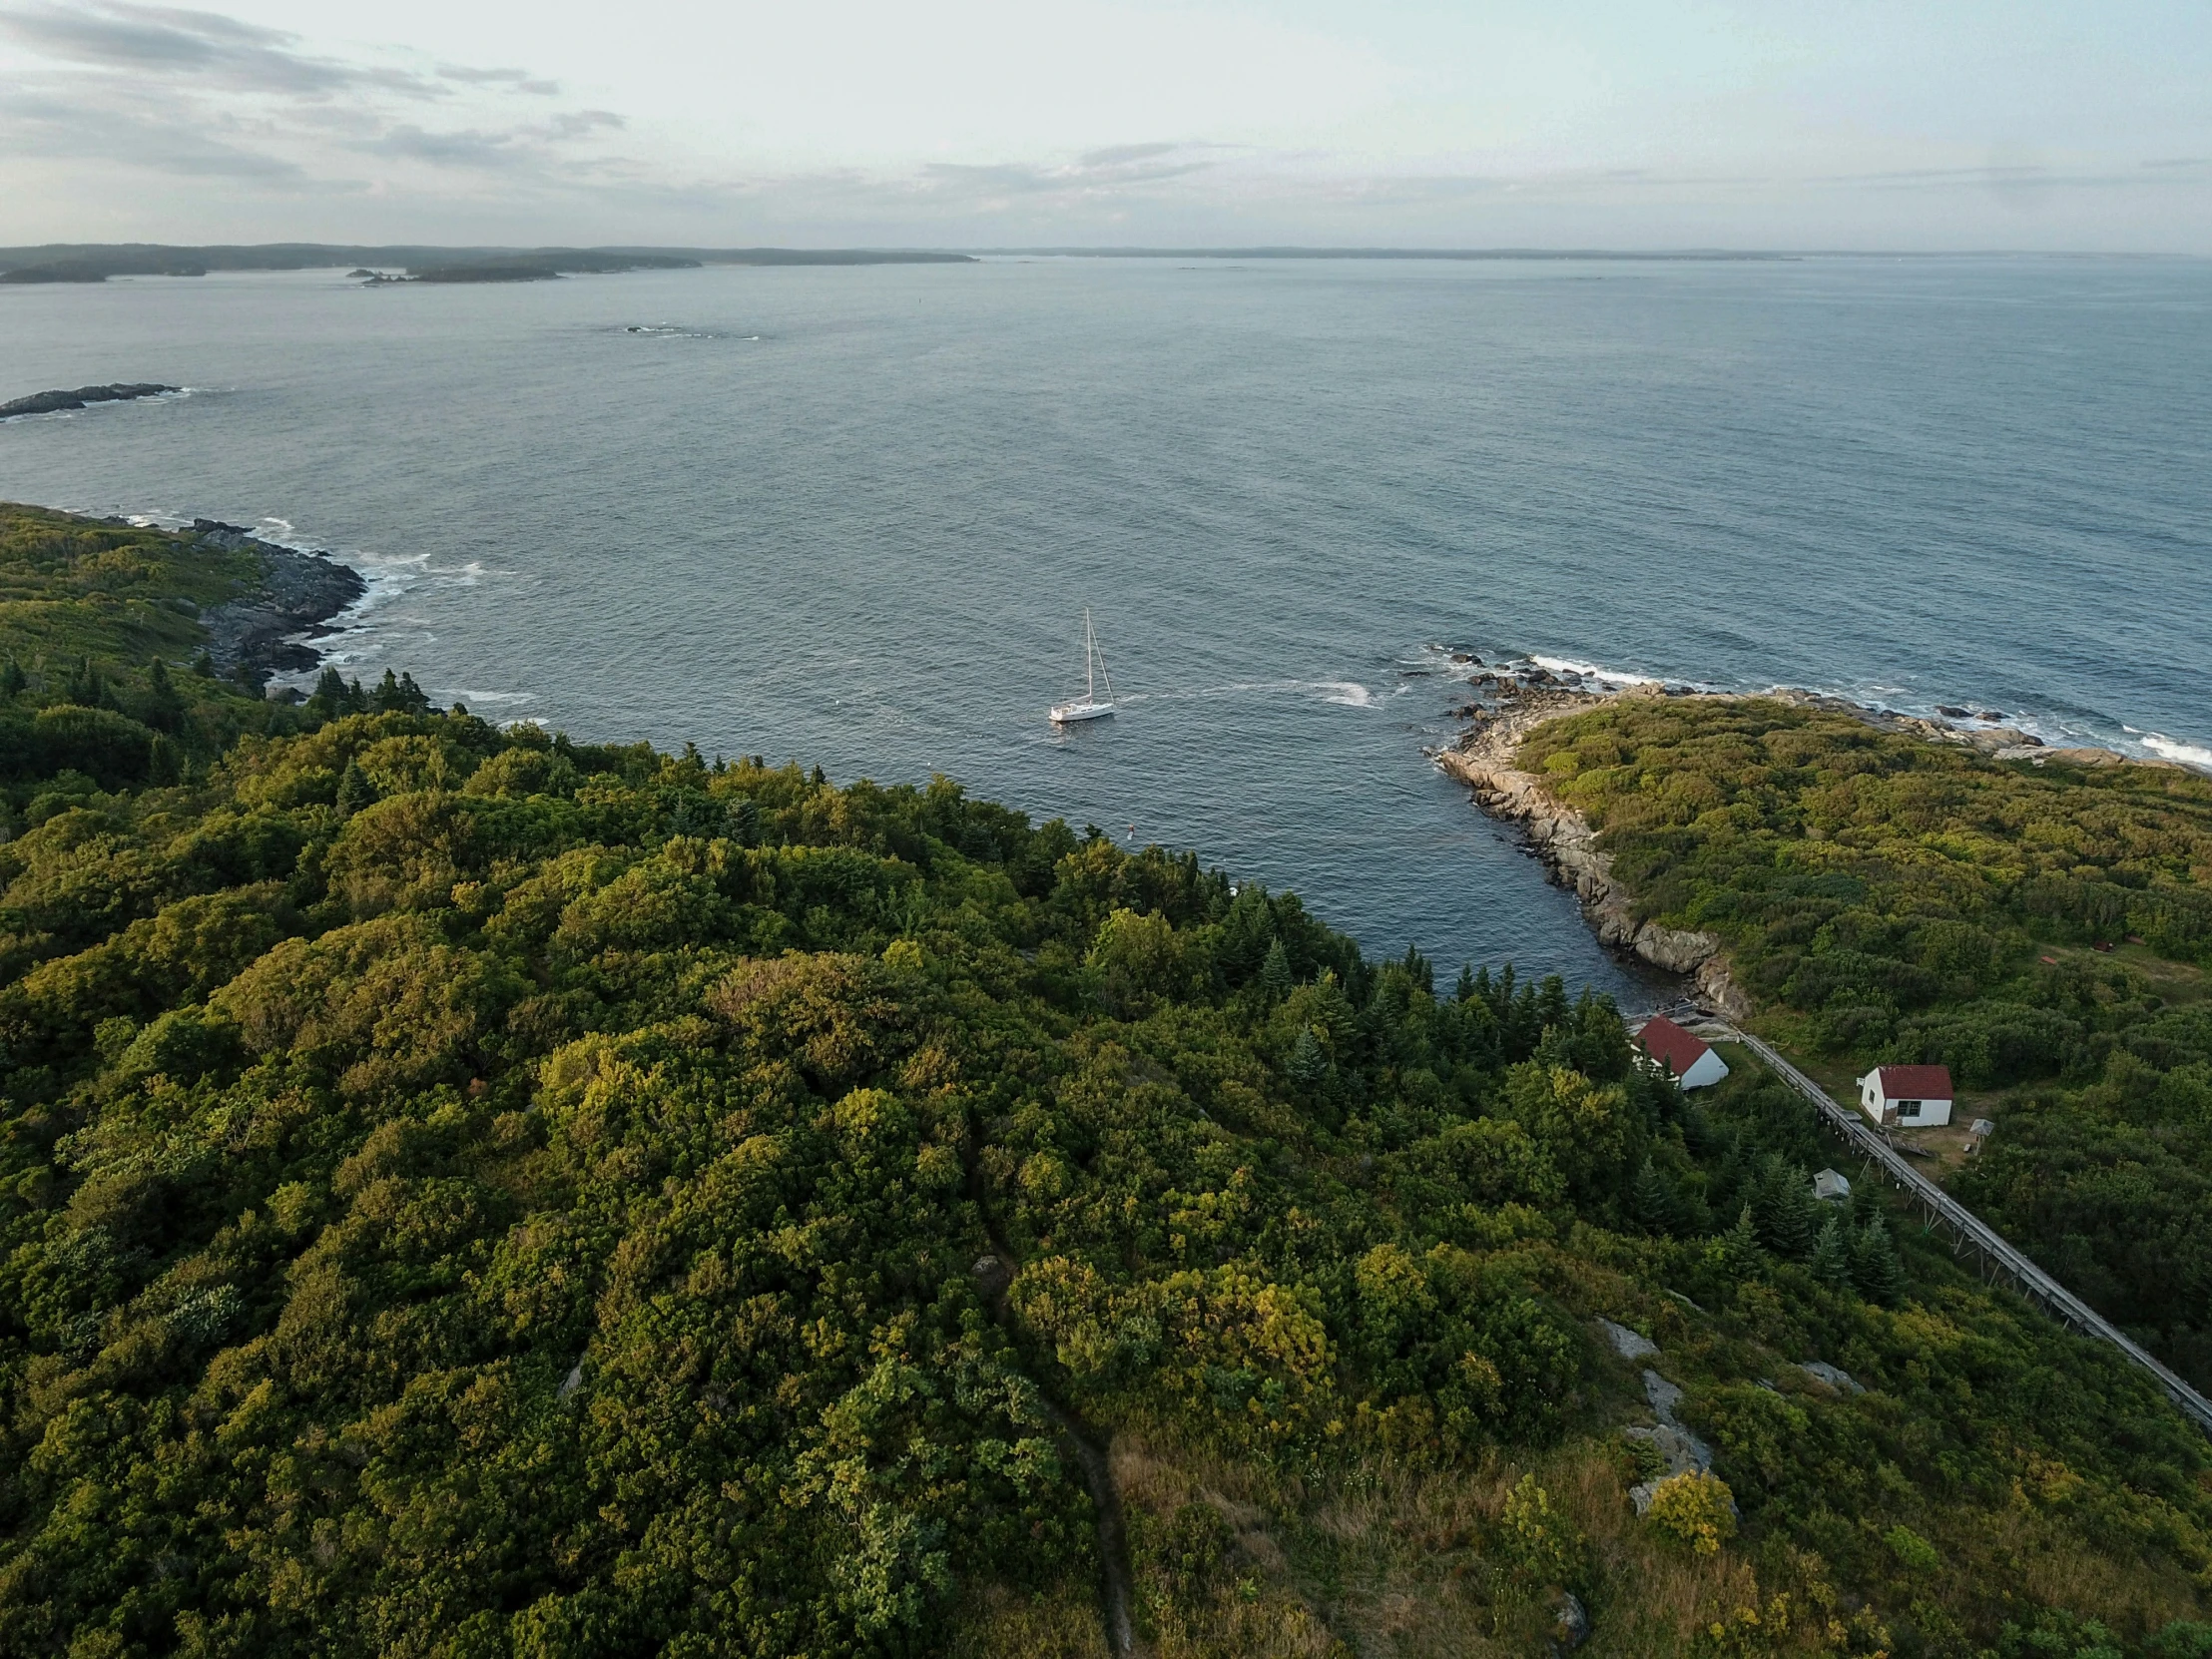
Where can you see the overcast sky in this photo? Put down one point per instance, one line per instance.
(1907, 123)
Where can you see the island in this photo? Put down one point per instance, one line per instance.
(474, 1189)
(55, 402)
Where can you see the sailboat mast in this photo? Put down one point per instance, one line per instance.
(1090, 652)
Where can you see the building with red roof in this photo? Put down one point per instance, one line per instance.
(1689, 1058)
(1907, 1097)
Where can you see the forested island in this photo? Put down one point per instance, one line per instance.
(96, 261)
(465, 1191)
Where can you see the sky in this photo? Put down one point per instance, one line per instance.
(1631, 124)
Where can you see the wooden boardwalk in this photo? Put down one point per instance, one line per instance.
(2000, 1260)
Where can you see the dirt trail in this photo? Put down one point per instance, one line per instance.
(993, 1275)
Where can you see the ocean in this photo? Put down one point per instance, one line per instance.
(853, 517)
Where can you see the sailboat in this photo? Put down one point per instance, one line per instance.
(1090, 706)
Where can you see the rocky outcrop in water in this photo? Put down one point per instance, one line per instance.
(266, 630)
(54, 402)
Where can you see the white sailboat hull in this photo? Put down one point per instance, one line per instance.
(1090, 706)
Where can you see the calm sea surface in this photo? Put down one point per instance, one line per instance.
(853, 517)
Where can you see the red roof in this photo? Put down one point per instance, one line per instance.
(1916, 1082)
(1672, 1046)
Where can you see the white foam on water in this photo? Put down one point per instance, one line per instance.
(1568, 664)
(2172, 749)
(1348, 694)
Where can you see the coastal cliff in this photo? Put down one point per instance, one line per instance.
(1562, 837)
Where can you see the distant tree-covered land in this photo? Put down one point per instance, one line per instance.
(96, 261)
(468, 1192)
(2043, 930)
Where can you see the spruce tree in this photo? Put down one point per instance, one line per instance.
(329, 700)
(203, 666)
(1832, 1255)
(1308, 1062)
(354, 788)
(1785, 1208)
(387, 699)
(12, 678)
(1276, 977)
(1652, 1200)
(165, 708)
(1740, 1246)
(1873, 1265)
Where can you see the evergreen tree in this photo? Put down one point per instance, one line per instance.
(1786, 1210)
(203, 666)
(1740, 1247)
(165, 708)
(1468, 987)
(1308, 1062)
(354, 788)
(1274, 972)
(329, 700)
(1420, 970)
(1652, 1198)
(388, 698)
(1873, 1265)
(85, 687)
(12, 679)
(163, 765)
(1832, 1255)
(412, 698)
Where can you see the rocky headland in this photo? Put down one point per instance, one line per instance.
(267, 629)
(1558, 834)
(1510, 701)
(54, 402)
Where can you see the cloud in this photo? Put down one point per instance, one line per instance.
(519, 79)
(146, 136)
(499, 149)
(202, 47)
(1116, 170)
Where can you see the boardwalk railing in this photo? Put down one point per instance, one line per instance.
(1973, 1233)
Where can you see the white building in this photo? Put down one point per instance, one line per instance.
(1691, 1060)
(1907, 1097)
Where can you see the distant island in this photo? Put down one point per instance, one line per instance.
(96, 261)
(54, 402)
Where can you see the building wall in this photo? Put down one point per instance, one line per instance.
(1709, 1069)
(1933, 1114)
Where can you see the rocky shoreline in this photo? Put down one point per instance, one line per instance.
(266, 631)
(1562, 837)
(1513, 701)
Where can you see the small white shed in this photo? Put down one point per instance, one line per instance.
(1690, 1058)
(1831, 1186)
(1907, 1097)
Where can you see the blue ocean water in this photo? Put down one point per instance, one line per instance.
(852, 516)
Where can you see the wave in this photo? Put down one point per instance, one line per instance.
(1347, 694)
(677, 330)
(2172, 749)
(1618, 677)
(462, 694)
